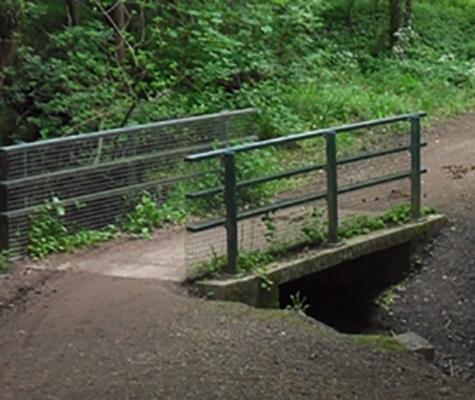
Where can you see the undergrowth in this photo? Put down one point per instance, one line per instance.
(249, 262)
(149, 215)
(302, 63)
(5, 262)
(49, 235)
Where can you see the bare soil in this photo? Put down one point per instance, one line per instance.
(438, 299)
(77, 335)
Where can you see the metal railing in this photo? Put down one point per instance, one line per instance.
(232, 186)
(99, 176)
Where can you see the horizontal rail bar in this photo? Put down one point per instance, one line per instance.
(194, 228)
(135, 188)
(256, 181)
(281, 205)
(368, 156)
(287, 174)
(376, 181)
(305, 135)
(298, 171)
(124, 161)
(131, 129)
(258, 211)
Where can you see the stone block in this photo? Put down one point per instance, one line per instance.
(416, 344)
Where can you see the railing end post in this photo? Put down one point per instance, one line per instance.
(230, 198)
(416, 192)
(332, 186)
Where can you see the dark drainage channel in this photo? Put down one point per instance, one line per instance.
(343, 296)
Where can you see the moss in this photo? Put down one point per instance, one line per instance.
(380, 342)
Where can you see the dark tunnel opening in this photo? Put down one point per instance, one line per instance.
(343, 296)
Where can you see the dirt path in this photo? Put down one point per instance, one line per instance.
(161, 257)
(111, 338)
(79, 335)
(439, 301)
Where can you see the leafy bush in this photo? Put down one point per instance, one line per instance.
(5, 262)
(48, 234)
(148, 214)
(47, 230)
(298, 61)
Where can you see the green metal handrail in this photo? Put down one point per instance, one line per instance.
(306, 135)
(232, 186)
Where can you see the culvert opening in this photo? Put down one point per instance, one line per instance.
(344, 296)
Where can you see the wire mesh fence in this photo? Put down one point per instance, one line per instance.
(99, 176)
(282, 189)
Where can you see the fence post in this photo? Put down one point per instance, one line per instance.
(332, 187)
(415, 167)
(231, 211)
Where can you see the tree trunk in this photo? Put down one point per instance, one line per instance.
(118, 16)
(349, 15)
(407, 13)
(73, 18)
(8, 50)
(10, 24)
(395, 21)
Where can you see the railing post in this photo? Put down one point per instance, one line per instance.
(231, 211)
(416, 167)
(332, 187)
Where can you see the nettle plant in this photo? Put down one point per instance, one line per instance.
(148, 214)
(47, 230)
(49, 235)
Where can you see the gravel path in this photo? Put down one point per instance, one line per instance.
(439, 301)
(112, 338)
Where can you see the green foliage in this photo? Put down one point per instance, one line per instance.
(257, 262)
(387, 298)
(148, 214)
(86, 238)
(209, 175)
(48, 234)
(47, 230)
(269, 222)
(380, 342)
(257, 164)
(298, 304)
(75, 89)
(5, 262)
(362, 224)
(316, 231)
(249, 262)
(214, 267)
(299, 61)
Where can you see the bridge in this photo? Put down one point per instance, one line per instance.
(321, 193)
(385, 240)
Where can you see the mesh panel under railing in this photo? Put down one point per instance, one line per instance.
(269, 230)
(377, 200)
(99, 176)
